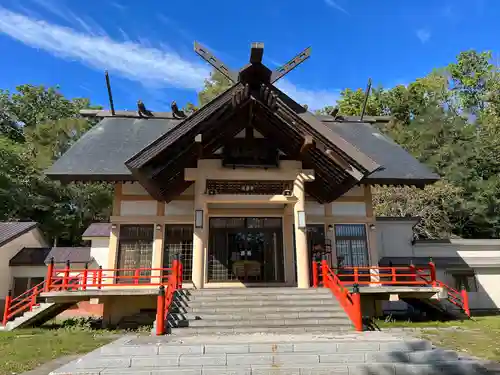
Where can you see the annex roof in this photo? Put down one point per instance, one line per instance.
(12, 229)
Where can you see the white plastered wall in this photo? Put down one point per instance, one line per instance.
(99, 251)
(33, 238)
(482, 256)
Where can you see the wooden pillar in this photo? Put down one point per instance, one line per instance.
(372, 236)
(112, 254)
(301, 253)
(199, 233)
(329, 233)
(289, 250)
(159, 232)
(113, 237)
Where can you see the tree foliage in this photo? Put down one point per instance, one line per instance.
(37, 125)
(450, 121)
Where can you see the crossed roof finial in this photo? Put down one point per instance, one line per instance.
(256, 54)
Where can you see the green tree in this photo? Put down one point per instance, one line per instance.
(433, 205)
(214, 86)
(471, 78)
(432, 120)
(48, 124)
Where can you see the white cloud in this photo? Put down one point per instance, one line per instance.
(137, 61)
(148, 65)
(424, 35)
(315, 99)
(334, 4)
(118, 6)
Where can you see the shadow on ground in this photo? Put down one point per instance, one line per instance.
(415, 361)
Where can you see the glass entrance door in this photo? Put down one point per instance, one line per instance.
(246, 249)
(247, 254)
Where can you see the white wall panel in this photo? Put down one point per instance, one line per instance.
(99, 250)
(315, 208)
(131, 208)
(179, 208)
(349, 209)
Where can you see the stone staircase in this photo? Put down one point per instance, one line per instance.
(253, 310)
(366, 353)
(40, 314)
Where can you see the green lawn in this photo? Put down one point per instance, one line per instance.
(25, 349)
(478, 337)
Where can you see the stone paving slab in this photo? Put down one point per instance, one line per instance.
(370, 353)
(455, 368)
(263, 337)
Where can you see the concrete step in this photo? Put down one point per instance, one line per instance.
(265, 323)
(261, 291)
(352, 343)
(256, 297)
(258, 302)
(443, 368)
(283, 359)
(260, 309)
(258, 316)
(214, 330)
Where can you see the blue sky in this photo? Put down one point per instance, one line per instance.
(148, 46)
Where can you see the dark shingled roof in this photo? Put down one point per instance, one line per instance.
(103, 150)
(73, 254)
(396, 162)
(97, 230)
(101, 153)
(11, 230)
(30, 256)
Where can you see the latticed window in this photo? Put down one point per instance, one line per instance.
(179, 244)
(351, 244)
(465, 281)
(135, 250)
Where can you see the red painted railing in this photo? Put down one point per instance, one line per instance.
(166, 296)
(457, 298)
(338, 279)
(69, 279)
(350, 301)
(22, 303)
(409, 275)
(406, 275)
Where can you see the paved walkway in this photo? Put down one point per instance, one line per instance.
(374, 353)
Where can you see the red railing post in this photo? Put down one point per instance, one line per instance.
(8, 301)
(432, 270)
(33, 300)
(393, 273)
(179, 275)
(356, 275)
(160, 312)
(99, 278)
(315, 274)
(137, 274)
(357, 313)
(465, 298)
(85, 276)
(66, 275)
(50, 273)
(175, 273)
(324, 272)
(413, 272)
